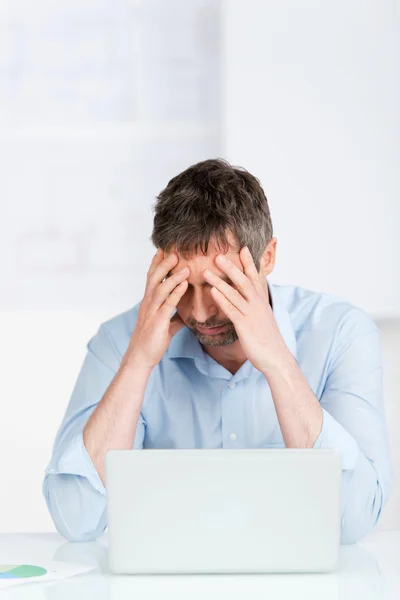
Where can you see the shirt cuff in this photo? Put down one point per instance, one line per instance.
(75, 460)
(334, 435)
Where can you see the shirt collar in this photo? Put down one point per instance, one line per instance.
(184, 344)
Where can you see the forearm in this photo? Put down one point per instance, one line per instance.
(365, 487)
(298, 410)
(113, 423)
(363, 494)
(78, 510)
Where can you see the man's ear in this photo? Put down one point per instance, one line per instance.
(267, 262)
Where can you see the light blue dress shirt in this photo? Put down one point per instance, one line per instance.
(191, 401)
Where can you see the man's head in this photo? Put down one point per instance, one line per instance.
(211, 208)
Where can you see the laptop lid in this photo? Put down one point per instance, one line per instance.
(223, 510)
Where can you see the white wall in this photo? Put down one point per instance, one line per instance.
(311, 96)
(101, 103)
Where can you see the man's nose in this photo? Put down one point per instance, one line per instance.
(203, 309)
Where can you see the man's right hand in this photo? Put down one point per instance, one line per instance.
(154, 327)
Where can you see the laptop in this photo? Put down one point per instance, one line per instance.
(223, 510)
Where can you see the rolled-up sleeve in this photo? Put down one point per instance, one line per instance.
(73, 490)
(354, 423)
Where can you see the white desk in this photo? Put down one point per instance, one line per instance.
(367, 571)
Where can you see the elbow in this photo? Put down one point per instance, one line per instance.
(79, 535)
(77, 532)
(361, 515)
(77, 510)
(351, 534)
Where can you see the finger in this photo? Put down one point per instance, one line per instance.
(250, 268)
(229, 309)
(165, 288)
(160, 270)
(228, 291)
(172, 300)
(240, 280)
(157, 259)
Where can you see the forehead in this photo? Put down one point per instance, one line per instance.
(198, 262)
(213, 249)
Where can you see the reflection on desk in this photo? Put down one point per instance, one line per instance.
(366, 571)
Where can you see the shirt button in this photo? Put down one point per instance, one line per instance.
(232, 436)
(232, 384)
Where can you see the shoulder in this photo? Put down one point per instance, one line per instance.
(320, 312)
(115, 333)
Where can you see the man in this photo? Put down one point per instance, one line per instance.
(215, 356)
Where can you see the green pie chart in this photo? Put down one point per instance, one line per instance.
(20, 571)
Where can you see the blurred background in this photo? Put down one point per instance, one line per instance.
(103, 101)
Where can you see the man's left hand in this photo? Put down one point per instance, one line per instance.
(249, 309)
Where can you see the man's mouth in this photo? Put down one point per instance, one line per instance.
(211, 330)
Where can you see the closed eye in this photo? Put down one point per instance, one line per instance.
(204, 283)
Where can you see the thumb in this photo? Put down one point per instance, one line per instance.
(176, 324)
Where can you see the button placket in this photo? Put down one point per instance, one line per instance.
(231, 416)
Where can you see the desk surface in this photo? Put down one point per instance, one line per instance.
(367, 571)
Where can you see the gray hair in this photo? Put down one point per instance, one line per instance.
(205, 201)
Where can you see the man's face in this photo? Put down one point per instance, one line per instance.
(197, 308)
